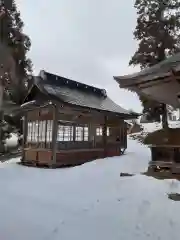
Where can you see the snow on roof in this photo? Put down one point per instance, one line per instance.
(151, 127)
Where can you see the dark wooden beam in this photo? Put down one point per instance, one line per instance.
(125, 133)
(147, 83)
(54, 136)
(25, 133)
(105, 136)
(143, 86)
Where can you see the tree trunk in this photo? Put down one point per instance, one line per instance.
(1, 116)
(164, 117)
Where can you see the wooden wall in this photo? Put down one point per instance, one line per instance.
(45, 113)
(75, 151)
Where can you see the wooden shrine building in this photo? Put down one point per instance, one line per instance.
(162, 84)
(165, 149)
(69, 123)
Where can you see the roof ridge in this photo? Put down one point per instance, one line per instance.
(56, 80)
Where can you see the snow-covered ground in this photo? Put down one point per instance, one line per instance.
(88, 202)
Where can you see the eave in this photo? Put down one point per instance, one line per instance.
(160, 82)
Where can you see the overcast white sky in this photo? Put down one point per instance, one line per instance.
(85, 40)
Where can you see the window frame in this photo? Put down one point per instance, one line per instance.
(86, 134)
(79, 133)
(99, 131)
(49, 130)
(65, 133)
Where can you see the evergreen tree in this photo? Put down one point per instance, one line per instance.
(20, 44)
(12, 36)
(158, 34)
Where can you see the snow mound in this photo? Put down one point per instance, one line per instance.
(88, 202)
(12, 141)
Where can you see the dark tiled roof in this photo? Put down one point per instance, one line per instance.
(55, 80)
(160, 70)
(76, 93)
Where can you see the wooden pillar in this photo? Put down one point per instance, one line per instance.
(74, 132)
(125, 133)
(164, 116)
(92, 134)
(54, 136)
(153, 154)
(105, 136)
(45, 136)
(1, 110)
(25, 132)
